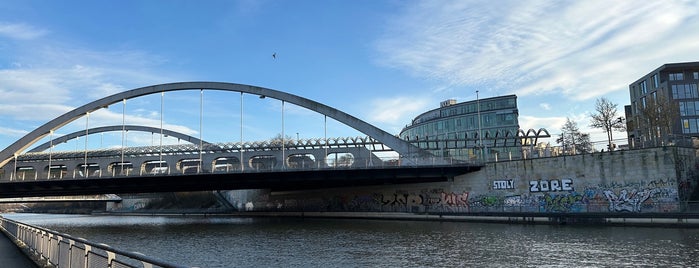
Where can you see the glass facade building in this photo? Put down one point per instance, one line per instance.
(481, 129)
(673, 86)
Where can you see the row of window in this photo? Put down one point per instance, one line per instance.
(484, 106)
(680, 76)
(685, 91)
(643, 87)
(507, 102)
(462, 136)
(463, 123)
(689, 108)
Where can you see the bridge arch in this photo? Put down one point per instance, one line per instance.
(95, 130)
(400, 146)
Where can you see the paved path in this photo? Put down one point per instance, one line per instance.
(12, 256)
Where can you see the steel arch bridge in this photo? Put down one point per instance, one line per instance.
(404, 149)
(65, 138)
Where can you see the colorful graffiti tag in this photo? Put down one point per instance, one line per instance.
(549, 195)
(627, 200)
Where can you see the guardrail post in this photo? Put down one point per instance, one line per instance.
(110, 258)
(86, 260)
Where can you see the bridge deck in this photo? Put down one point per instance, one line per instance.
(275, 181)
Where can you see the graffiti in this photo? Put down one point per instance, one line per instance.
(561, 202)
(638, 184)
(397, 200)
(431, 199)
(551, 185)
(138, 205)
(414, 200)
(627, 201)
(361, 203)
(660, 183)
(513, 201)
(657, 194)
(521, 201)
(503, 184)
(485, 201)
(453, 199)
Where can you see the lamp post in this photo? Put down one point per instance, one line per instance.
(480, 132)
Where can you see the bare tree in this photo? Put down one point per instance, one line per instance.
(658, 117)
(606, 118)
(572, 140)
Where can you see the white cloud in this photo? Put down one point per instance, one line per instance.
(580, 49)
(396, 112)
(47, 79)
(552, 124)
(20, 31)
(545, 106)
(12, 132)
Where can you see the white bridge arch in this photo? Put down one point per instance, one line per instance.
(405, 149)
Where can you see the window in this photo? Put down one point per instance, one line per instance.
(643, 87)
(655, 96)
(676, 76)
(689, 108)
(643, 102)
(656, 82)
(696, 75)
(685, 91)
(689, 126)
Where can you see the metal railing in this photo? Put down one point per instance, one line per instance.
(372, 162)
(61, 250)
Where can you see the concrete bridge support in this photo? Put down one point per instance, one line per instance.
(655, 180)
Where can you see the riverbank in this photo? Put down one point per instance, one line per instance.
(611, 219)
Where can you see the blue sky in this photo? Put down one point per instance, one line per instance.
(382, 61)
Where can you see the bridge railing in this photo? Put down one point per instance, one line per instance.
(61, 250)
(353, 163)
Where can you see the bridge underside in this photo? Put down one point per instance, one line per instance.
(275, 181)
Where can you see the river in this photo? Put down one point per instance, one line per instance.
(294, 242)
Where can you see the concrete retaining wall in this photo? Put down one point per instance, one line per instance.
(637, 181)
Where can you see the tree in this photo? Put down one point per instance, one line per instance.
(606, 118)
(658, 117)
(572, 140)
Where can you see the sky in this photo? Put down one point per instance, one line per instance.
(384, 62)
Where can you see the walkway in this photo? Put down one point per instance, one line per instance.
(12, 256)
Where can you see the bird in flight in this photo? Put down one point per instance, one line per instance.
(274, 55)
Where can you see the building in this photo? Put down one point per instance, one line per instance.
(475, 130)
(664, 106)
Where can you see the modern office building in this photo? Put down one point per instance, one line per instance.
(480, 129)
(664, 105)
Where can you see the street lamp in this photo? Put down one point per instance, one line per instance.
(480, 133)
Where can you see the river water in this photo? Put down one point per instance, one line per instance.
(291, 242)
